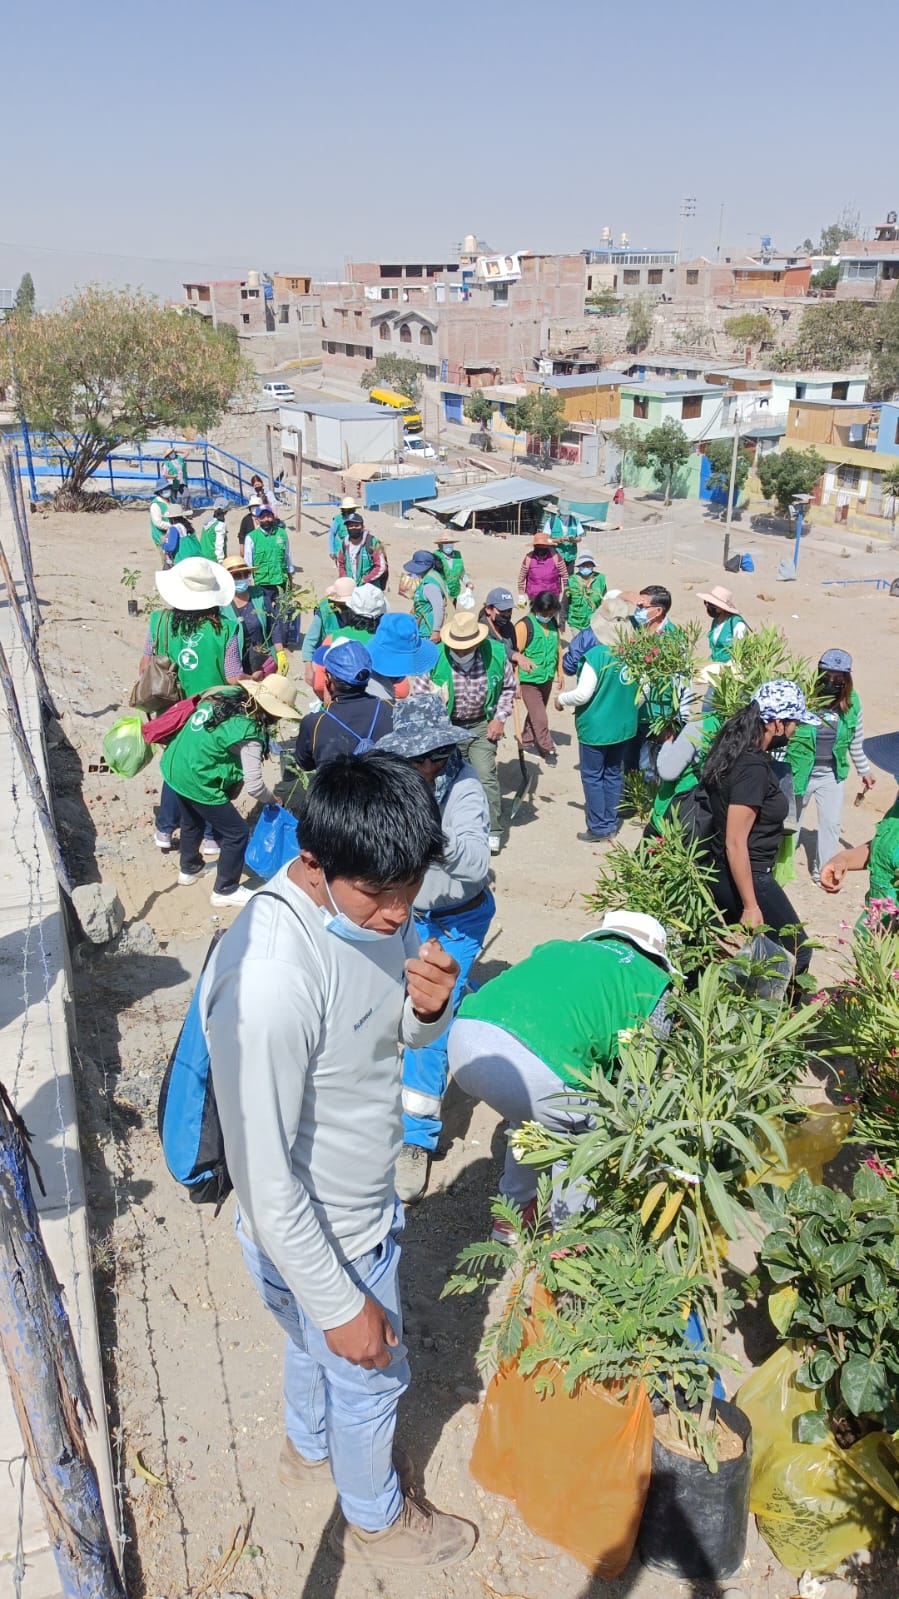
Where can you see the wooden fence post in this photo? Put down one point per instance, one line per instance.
(47, 1384)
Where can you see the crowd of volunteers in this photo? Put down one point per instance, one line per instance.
(371, 934)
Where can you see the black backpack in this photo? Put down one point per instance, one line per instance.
(693, 812)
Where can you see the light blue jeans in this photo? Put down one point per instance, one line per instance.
(333, 1409)
(425, 1070)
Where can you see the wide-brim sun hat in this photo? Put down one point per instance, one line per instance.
(463, 632)
(340, 589)
(542, 539)
(721, 598)
(783, 701)
(368, 600)
(277, 695)
(195, 584)
(236, 563)
(420, 725)
(421, 562)
(398, 650)
(254, 502)
(348, 503)
(645, 932)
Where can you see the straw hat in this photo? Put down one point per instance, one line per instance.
(463, 632)
(348, 503)
(541, 540)
(236, 563)
(340, 589)
(195, 584)
(277, 695)
(721, 598)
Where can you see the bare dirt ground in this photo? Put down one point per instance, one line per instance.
(193, 1358)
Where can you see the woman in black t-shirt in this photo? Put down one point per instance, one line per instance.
(749, 811)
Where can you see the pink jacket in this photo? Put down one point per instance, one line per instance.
(541, 572)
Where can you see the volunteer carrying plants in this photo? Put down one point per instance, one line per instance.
(218, 752)
(324, 623)
(303, 1004)
(584, 592)
(254, 632)
(526, 1039)
(819, 756)
(267, 551)
(605, 718)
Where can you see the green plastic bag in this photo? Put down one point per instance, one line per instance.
(124, 749)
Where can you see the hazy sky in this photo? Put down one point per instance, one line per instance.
(149, 144)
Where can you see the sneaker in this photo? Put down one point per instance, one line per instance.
(501, 1232)
(597, 838)
(496, 843)
(419, 1537)
(412, 1168)
(551, 757)
(237, 896)
(295, 1471)
(191, 877)
(162, 840)
(210, 850)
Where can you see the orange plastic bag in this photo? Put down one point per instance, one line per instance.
(577, 1467)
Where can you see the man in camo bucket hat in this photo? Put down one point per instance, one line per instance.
(453, 905)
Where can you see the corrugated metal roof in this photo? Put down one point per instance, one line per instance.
(671, 390)
(488, 496)
(577, 380)
(340, 411)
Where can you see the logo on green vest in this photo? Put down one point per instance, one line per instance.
(201, 716)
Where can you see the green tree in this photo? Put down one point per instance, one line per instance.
(639, 325)
(832, 335)
(884, 380)
(664, 450)
(890, 486)
(750, 327)
(540, 415)
(395, 372)
(827, 278)
(605, 301)
(720, 456)
(112, 365)
(479, 409)
(24, 302)
(836, 233)
(787, 473)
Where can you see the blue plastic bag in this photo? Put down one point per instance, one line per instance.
(274, 842)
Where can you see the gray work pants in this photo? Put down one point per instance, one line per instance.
(482, 755)
(826, 790)
(490, 1064)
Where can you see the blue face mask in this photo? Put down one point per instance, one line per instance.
(241, 585)
(448, 549)
(342, 927)
(641, 616)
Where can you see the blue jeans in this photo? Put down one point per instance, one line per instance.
(425, 1070)
(602, 776)
(333, 1409)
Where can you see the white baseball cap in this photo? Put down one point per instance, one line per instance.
(638, 928)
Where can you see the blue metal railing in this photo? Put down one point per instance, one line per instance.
(131, 472)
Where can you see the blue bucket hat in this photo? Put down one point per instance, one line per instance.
(398, 650)
(345, 659)
(783, 701)
(421, 562)
(160, 485)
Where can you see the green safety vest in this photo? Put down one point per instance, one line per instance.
(328, 616)
(202, 763)
(721, 638)
(360, 634)
(208, 537)
(610, 717)
(235, 613)
(671, 788)
(366, 558)
(199, 656)
(494, 658)
(188, 544)
(270, 556)
(883, 863)
(568, 1002)
(422, 609)
(583, 599)
(164, 505)
(453, 569)
(800, 752)
(543, 650)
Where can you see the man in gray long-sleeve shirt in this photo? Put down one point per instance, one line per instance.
(454, 905)
(303, 1003)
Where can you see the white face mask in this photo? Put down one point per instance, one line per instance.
(343, 927)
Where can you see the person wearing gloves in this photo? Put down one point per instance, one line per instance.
(679, 758)
(605, 718)
(452, 565)
(477, 685)
(361, 556)
(727, 625)
(542, 571)
(325, 621)
(401, 660)
(430, 597)
(749, 810)
(351, 719)
(584, 592)
(267, 551)
(528, 1039)
(218, 752)
(453, 905)
(303, 1005)
(254, 634)
(819, 756)
(214, 534)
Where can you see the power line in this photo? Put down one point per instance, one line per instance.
(110, 255)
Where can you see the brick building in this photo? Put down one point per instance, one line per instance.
(282, 304)
(744, 277)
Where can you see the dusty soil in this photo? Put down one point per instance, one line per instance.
(193, 1358)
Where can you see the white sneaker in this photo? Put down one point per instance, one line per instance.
(191, 877)
(162, 840)
(210, 850)
(237, 896)
(496, 843)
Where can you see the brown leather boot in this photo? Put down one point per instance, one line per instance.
(420, 1536)
(295, 1471)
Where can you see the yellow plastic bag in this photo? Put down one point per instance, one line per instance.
(577, 1467)
(816, 1504)
(810, 1144)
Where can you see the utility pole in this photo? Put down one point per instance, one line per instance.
(730, 492)
(687, 212)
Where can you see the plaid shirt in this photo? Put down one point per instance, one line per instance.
(470, 692)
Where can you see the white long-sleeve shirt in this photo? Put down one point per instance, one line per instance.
(583, 693)
(302, 1029)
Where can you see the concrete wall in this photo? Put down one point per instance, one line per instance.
(707, 424)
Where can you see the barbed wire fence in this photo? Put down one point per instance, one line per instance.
(49, 1394)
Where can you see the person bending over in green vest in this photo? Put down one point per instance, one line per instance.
(881, 857)
(546, 1025)
(727, 625)
(430, 596)
(584, 592)
(605, 718)
(451, 565)
(180, 542)
(819, 756)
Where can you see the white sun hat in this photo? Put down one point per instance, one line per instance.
(195, 584)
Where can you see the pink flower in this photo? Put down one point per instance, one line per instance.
(878, 1167)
